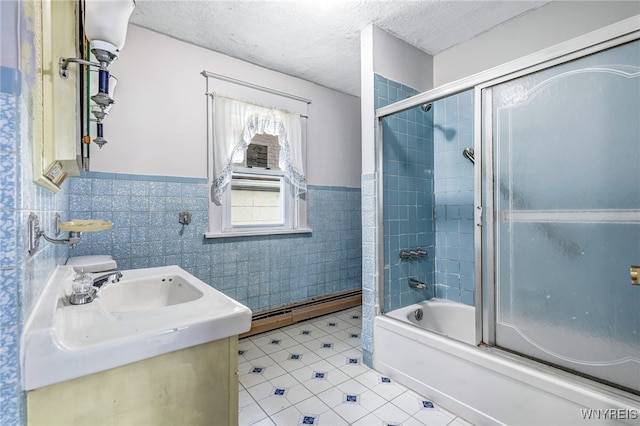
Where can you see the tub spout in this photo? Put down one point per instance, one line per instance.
(413, 283)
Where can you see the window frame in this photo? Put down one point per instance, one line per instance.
(294, 207)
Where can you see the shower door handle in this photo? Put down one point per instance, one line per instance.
(634, 272)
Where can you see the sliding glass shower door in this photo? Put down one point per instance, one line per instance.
(566, 185)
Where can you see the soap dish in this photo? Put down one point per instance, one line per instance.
(85, 225)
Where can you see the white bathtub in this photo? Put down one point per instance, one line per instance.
(486, 385)
(441, 316)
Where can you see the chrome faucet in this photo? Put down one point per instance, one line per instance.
(112, 276)
(413, 283)
(86, 294)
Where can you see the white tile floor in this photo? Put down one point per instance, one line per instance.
(312, 373)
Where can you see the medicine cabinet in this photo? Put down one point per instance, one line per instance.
(56, 101)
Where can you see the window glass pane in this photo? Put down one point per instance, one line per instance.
(263, 152)
(256, 200)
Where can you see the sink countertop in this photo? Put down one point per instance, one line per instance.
(62, 341)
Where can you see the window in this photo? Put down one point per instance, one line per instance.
(258, 189)
(256, 200)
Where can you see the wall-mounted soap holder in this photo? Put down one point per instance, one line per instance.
(75, 228)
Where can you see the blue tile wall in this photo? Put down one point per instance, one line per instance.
(22, 277)
(453, 189)
(407, 196)
(369, 263)
(10, 318)
(428, 203)
(261, 272)
(428, 197)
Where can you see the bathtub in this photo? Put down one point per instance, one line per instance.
(436, 356)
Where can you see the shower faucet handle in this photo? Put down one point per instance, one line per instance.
(417, 253)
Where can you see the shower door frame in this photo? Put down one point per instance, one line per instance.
(485, 280)
(484, 93)
(485, 178)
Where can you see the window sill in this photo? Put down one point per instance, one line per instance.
(257, 233)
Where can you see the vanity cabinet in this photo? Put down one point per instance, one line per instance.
(191, 386)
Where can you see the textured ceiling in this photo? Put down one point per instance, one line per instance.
(319, 40)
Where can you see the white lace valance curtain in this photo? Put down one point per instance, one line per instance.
(235, 123)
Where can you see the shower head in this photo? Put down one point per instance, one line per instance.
(426, 107)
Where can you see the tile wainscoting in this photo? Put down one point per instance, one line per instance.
(261, 272)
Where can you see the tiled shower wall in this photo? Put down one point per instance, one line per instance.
(407, 198)
(261, 272)
(428, 201)
(407, 210)
(454, 190)
(22, 277)
(428, 197)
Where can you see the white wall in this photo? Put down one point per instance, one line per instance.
(158, 124)
(551, 24)
(383, 54)
(401, 62)
(367, 100)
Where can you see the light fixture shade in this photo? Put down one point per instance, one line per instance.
(107, 20)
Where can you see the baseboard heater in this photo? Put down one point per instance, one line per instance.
(290, 314)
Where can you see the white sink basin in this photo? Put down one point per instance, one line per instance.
(148, 313)
(148, 293)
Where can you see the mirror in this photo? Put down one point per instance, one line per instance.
(56, 141)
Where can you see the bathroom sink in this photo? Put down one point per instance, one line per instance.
(147, 313)
(145, 294)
